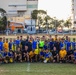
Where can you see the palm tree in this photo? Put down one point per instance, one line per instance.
(68, 23)
(34, 15)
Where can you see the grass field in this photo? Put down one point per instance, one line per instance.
(37, 69)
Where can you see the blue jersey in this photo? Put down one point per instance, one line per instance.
(47, 55)
(1, 46)
(45, 47)
(73, 45)
(5, 54)
(10, 45)
(68, 44)
(75, 55)
(17, 42)
(42, 53)
(51, 45)
(66, 41)
(10, 54)
(34, 44)
(62, 44)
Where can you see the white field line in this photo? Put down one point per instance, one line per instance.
(28, 67)
(28, 70)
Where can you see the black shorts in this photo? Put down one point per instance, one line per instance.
(55, 58)
(18, 58)
(23, 54)
(1, 59)
(41, 47)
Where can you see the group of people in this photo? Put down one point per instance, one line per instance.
(38, 49)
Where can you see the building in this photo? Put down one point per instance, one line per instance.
(18, 10)
(74, 13)
(20, 7)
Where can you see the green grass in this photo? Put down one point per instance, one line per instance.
(37, 69)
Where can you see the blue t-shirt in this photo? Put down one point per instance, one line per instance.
(75, 55)
(5, 54)
(47, 55)
(10, 45)
(10, 54)
(51, 45)
(34, 44)
(1, 46)
(73, 45)
(62, 44)
(45, 47)
(68, 44)
(42, 53)
(17, 42)
(66, 41)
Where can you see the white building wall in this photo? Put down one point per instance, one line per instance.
(13, 6)
(74, 13)
(31, 5)
(19, 7)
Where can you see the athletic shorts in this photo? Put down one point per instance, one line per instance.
(75, 57)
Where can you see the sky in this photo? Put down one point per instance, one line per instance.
(60, 9)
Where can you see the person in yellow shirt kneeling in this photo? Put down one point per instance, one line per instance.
(31, 56)
(62, 55)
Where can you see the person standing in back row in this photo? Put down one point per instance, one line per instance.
(17, 42)
(1, 45)
(6, 46)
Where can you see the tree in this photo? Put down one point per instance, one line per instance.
(55, 23)
(40, 20)
(68, 23)
(2, 11)
(3, 23)
(42, 11)
(3, 20)
(34, 15)
(46, 19)
(37, 15)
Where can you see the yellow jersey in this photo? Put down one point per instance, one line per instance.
(31, 54)
(6, 46)
(62, 53)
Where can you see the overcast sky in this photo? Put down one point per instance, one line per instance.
(56, 8)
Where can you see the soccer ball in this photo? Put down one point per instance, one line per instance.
(45, 61)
